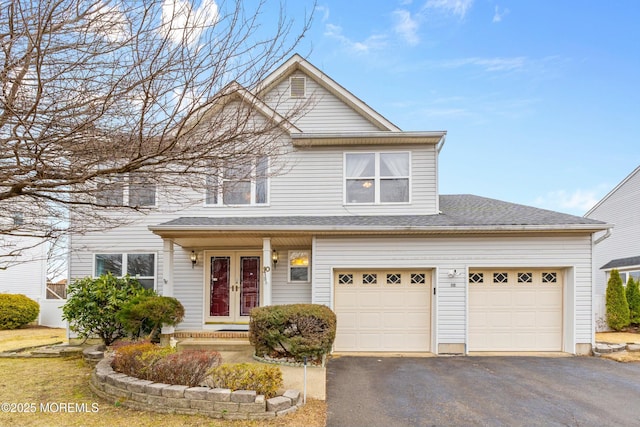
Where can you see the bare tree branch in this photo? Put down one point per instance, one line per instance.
(99, 93)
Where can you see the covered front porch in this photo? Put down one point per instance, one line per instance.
(220, 277)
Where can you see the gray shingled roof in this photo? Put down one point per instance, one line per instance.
(457, 211)
(621, 262)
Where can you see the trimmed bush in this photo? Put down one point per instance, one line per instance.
(293, 331)
(187, 367)
(17, 310)
(149, 361)
(93, 303)
(146, 314)
(616, 303)
(633, 299)
(264, 379)
(133, 358)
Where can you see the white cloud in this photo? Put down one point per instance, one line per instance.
(577, 202)
(324, 11)
(488, 64)
(406, 26)
(498, 15)
(370, 43)
(183, 24)
(455, 7)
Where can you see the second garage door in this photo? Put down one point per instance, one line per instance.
(515, 310)
(383, 310)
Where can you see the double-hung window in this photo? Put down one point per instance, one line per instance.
(142, 266)
(299, 266)
(374, 178)
(142, 192)
(244, 183)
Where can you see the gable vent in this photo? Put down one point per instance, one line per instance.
(297, 87)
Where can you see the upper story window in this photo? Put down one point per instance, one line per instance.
(142, 266)
(141, 192)
(245, 183)
(377, 177)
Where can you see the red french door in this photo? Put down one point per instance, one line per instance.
(234, 287)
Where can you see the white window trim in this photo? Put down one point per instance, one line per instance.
(252, 179)
(124, 264)
(376, 178)
(289, 266)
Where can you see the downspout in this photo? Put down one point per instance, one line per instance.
(601, 238)
(438, 149)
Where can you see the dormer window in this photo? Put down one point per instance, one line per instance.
(377, 178)
(298, 87)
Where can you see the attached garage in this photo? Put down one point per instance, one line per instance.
(383, 310)
(515, 309)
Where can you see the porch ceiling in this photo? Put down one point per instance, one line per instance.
(238, 241)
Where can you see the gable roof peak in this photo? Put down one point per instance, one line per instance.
(298, 63)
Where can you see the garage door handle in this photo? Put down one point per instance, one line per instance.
(434, 291)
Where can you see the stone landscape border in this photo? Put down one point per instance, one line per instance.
(145, 395)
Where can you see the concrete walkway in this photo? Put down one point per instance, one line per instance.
(292, 376)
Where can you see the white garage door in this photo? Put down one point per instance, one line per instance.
(386, 310)
(515, 310)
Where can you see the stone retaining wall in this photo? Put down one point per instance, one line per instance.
(178, 399)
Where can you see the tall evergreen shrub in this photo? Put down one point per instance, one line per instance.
(633, 299)
(616, 301)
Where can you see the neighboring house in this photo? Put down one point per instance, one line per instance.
(618, 248)
(26, 273)
(356, 223)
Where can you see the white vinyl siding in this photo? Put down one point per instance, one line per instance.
(325, 109)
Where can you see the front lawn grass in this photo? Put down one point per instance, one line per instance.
(30, 336)
(66, 381)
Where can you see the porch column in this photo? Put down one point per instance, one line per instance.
(167, 276)
(268, 267)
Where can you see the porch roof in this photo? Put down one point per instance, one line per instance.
(459, 214)
(633, 261)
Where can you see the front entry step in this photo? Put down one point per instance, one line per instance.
(217, 344)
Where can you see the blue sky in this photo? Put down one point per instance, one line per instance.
(540, 99)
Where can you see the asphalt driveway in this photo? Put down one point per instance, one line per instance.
(491, 391)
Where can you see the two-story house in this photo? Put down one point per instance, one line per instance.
(618, 248)
(355, 222)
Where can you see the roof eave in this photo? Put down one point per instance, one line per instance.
(366, 138)
(388, 230)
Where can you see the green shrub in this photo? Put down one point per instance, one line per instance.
(264, 379)
(146, 314)
(616, 303)
(296, 330)
(93, 303)
(17, 310)
(633, 299)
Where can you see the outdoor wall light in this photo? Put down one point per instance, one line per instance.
(274, 258)
(194, 258)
